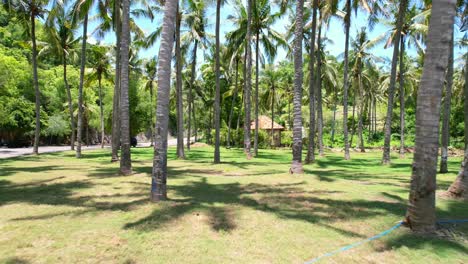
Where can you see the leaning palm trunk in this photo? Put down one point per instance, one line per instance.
(421, 209)
(70, 103)
(125, 160)
(180, 110)
(159, 173)
(257, 51)
(190, 96)
(361, 114)
(319, 93)
(311, 146)
(446, 116)
(116, 99)
(391, 88)
(233, 102)
(217, 107)
(101, 112)
(345, 79)
(296, 166)
(248, 83)
(37, 132)
(80, 89)
(402, 98)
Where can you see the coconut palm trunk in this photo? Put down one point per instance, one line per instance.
(272, 116)
(319, 92)
(180, 109)
(217, 106)
(311, 146)
(345, 79)
(421, 215)
(361, 113)
(80, 88)
(402, 97)
(296, 166)
(159, 173)
(257, 62)
(116, 99)
(233, 103)
(248, 82)
(190, 96)
(101, 111)
(70, 103)
(391, 88)
(151, 89)
(446, 114)
(125, 159)
(37, 92)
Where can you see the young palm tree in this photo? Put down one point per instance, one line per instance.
(150, 74)
(159, 173)
(296, 166)
(248, 81)
(179, 104)
(421, 209)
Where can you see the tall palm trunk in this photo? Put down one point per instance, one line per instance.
(319, 92)
(296, 166)
(446, 117)
(180, 109)
(37, 92)
(421, 209)
(101, 111)
(248, 83)
(345, 79)
(353, 124)
(159, 173)
(361, 112)
(257, 62)
(80, 88)
(402, 97)
(125, 160)
(311, 146)
(333, 125)
(152, 114)
(190, 96)
(217, 107)
(459, 187)
(233, 102)
(116, 99)
(272, 115)
(391, 88)
(70, 103)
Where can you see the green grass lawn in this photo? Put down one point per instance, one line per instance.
(57, 209)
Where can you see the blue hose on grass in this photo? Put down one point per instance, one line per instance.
(384, 233)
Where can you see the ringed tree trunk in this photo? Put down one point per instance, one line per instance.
(80, 89)
(125, 160)
(190, 96)
(446, 117)
(296, 166)
(402, 97)
(233, 102)
(248, 83)
(421, 215)
(116, 99)
(391, 88)
(272, 116)
(257, 51)
(152, 114)
(311, 146)
(180, 110)
(70, 103)
(361, 114)
(159, 173)
(345, 79)
(37, 92)
(101, 111)
(217, 106)
(319, 93)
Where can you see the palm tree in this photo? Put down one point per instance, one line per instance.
(270, 78)
(391, 89)
(125, 161)
(248, 81)
(159, 174)
(62, 43)
(150, 74)
(296, 166)
(178, 65)
(421, 209)
(217, 107)
(116, 100)
(27, 12)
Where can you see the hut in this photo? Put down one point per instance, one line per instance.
(265, 123)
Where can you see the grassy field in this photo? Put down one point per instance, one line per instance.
(57, 209)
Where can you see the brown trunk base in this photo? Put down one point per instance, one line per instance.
(296, 168)
(158, 197)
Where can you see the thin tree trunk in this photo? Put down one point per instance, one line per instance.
(159, 173)
(180, 109)
(101, 111)
(402, 97)
(353, 124)
(272, 116)
(391, 88)
(70, 103)
(333, 126)
(233, 102)
(375, 116)
(37, 131)
(257, 62)
(319, 92)
(152, 114)
(296, 166)
(446, 117)
(217, 102)
(125, 160)
(421, 215)
(311, 146)
(116, 99)
(248, 83)
(345, 79)
(190, 96)
(361, 114)
(80, 88)
(195, 134)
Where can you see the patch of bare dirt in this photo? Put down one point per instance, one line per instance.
(199, 145)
